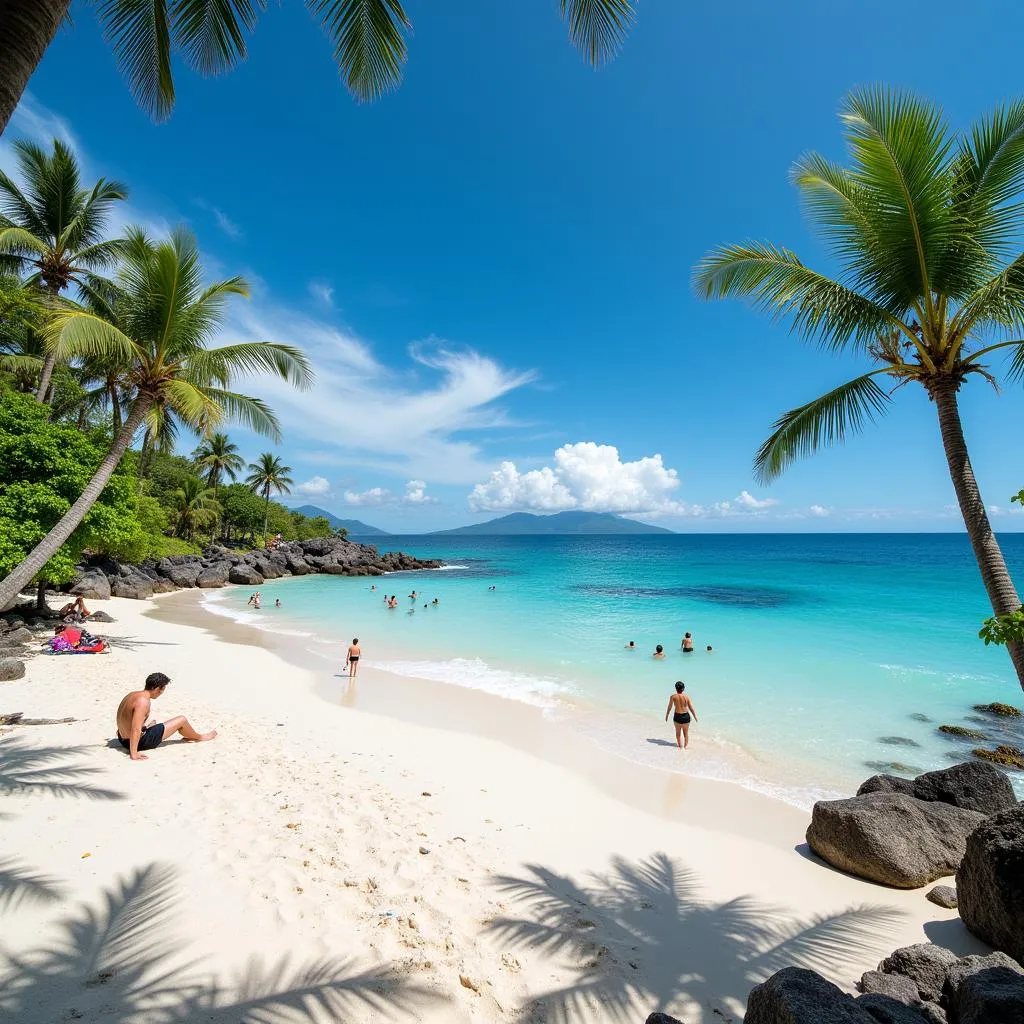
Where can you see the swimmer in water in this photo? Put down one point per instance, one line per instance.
(277, 603)
(681, 708)
(659, 652)
(631, 646)
(687, 644)
(710, 649)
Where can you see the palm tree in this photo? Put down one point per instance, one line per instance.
(368, 37)
(268, 474)
(52, 228)
(21, 346)
(218, 457)
(195, 507)
(926, 226)
(161, 323)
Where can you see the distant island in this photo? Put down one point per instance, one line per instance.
(527, 524)
(354, 526)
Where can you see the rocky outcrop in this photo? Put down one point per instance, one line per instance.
(92, 584)
(798, 996)
(924, 965)
(218, 566)
(245, 574)
(994, 995)
(886, 1010)
(886, 784)
(990, 882)
(891, 838)
(11, 669)
(942, 896)
(662, 1018)
(135, 586)
(973, 785)
(18, 635)
(215, 575)
(968, 966)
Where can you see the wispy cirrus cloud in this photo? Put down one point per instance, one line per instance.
(223, 221)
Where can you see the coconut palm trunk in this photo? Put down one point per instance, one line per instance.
(27, 28)
(266, 512)
(46, 375)
(996, 577)
(12, 585)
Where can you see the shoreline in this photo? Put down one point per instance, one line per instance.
(514, 723)
(383, 869)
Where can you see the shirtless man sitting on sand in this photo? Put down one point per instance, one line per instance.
(136, 731)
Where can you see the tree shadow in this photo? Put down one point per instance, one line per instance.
(25, 768)
(20, 884)
(642, 936)
(120, 961)
(133, 643)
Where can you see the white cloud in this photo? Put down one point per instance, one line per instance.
(416, 493)
(374, 496)
(820, 511)
(224, 222)
(318, 486)
(1002, 510)
(585, 476)
(322, 292)
(746, 500)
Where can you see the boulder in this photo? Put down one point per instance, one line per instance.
(215, 575)
(942, 896)
(333, 569)
(967, 966)
(18, 635)
(990, 882)
(91, 584)
(886, 784)
(890, 837)
(994, 995)
(893, 986)
(798, 996)
(101, 617)
(297, 565)
(180, 574)
(245, 574)
(162, 586)
(323, 545)
(138, 587)
(11, 669)
(974, 784)
(924, 965)
(662, 1018)
(886, 1010)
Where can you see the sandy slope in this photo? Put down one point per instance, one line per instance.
(318, 862)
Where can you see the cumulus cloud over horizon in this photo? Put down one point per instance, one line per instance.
(586, 476)
(318, 486)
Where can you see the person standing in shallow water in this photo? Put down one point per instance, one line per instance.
(681, 708)
(687, 644)
(352, 658)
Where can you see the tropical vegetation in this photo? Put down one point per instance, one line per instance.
(368, 37)
(926, 227)
(133, 353)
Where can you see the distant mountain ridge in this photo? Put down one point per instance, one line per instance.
(561, 523)
(355, 527)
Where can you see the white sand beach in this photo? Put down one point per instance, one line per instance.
(320, 862)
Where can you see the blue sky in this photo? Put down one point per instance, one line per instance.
(495, 261)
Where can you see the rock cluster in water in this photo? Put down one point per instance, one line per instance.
(217, 566)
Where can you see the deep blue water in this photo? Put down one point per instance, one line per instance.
(828, 648)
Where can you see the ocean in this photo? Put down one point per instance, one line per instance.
(834, 655)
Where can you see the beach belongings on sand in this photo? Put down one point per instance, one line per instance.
(75, 641)
(990, 882)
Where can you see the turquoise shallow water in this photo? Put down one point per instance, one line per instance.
(826, 647)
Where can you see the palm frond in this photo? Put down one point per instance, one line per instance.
(779, 284)
(14, 362)
(1016, 370)
(20, 241)
(211, 33)
(250, 412)
(901, 155)
(999, 301)
(369, 45)
(100, 254)
(139, 33)
(14, 206)
(193, 405)
(825, 421)
(597, 28)
(74, 332)
(251, 357)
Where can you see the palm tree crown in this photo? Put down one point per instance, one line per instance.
(52, 229)
(157, 321)
(926, 227)
(195, 507)
(268, 475)
(218, 457)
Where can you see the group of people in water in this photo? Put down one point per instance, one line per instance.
(686, 645)
(256, 600)
(391, 600)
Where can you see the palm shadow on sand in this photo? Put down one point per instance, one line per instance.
(121, 961)
(26, 768)
(642, 936)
